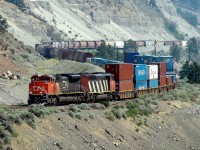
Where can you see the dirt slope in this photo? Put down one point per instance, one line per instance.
(176, 127)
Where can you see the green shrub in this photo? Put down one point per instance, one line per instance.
(84, 106)
(92, 116)
(29, 118)
(119, 113)
(105, 103)
(97, 106)
(74, 108)
(137, 129)
(71, 114)
(78, 116)
(110, 116)
(139, 123)
(39, 110)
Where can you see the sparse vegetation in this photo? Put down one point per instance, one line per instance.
(71, 114)
(97, 106)
(92, 116)
(3, 24)
(110, 116)
(84, 106)
(119, 113)
(78, 116)
(105, 103)
(19, 3)
(74, 108)
(172, 27)
(189, 17)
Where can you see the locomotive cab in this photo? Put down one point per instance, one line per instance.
(42, 88)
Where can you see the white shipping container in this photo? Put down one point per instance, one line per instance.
(184, 43)
(111, 43)
(88, 60)
(149, 43)
(119, 44)
(152, 72)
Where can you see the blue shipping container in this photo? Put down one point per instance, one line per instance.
(128, 57)
(173, 78)
(156, 59)
(169, 62)
(139, 85)
(170, 73)
(139, 72)
(148, 59)
(138, 59)
(152, 83)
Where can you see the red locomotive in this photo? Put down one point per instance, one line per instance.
(119, 82)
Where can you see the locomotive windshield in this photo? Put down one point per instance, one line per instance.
(42, 78)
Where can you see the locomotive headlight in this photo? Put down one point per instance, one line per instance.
(31, 92)
(40, 92)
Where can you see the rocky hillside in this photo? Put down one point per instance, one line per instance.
(92, 20)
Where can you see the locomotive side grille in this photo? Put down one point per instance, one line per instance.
(97, 85)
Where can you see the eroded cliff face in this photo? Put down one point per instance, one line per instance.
(93, 20)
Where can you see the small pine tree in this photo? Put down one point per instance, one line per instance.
(192, 47)
(130, 45)
(191, 71)
(176, 52)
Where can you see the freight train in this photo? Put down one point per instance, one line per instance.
(120, 81)
(112, 43)
(74, 55)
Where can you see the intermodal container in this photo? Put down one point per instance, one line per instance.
(129, 57)
(139, 43)
(119, 44)
(77, 44)
(152, 83)
(137, 59)
(149, 43)
(169, 62)
(88, 60)
(120, 71)
(177, 43)
(170, 43)
(111, 43)
(90, 44)
(170, 73)
(156, 59)
(139, 72)
(140, 85)
(98, 43)
(152, 72)
(162, 81)
(95, 60)
(71, 45)
(161, 68)
(83, 44)
(169, 79)
(148, 59)
(124, 85)
(173, 78)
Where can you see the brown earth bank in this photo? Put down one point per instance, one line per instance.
(175, 127)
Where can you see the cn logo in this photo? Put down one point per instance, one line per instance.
(167, 60)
